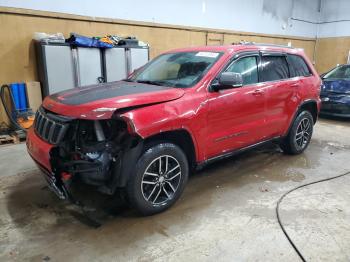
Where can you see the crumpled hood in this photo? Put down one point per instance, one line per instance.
(336, 86)
(102, 100)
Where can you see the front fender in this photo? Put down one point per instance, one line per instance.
(170, 116)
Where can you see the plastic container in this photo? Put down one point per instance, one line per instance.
(15, 94)
(22, 96)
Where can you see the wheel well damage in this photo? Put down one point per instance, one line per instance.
(310, 106)
(103, 153)
(180, 137)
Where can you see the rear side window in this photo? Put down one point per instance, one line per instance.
(298, 66)
(274, 68)
(247, 67)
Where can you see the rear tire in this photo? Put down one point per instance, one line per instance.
(159, 178)
(299, 135)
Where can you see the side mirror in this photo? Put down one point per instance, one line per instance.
(228, 80)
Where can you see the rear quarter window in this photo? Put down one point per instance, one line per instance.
(298, 66)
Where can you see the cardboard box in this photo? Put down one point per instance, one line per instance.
(34, 95)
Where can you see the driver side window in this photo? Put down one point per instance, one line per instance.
(247, 67)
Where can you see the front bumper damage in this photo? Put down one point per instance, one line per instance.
(55, 183)
(57, 187)
(105, 178)
(98, 153)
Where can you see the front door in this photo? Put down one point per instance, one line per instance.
(236, 116)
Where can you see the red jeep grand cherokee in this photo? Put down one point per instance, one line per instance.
(182, 110)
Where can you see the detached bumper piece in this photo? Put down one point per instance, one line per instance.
(58, 188)
(61, 190)
(55, 185)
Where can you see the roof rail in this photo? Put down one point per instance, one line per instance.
(261, 44)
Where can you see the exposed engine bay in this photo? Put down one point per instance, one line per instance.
(95, 152)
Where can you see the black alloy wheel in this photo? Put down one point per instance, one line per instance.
(159, 178)
(299, 135)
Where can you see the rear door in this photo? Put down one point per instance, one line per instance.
(281, 92)
(236, 116)
(301, 73)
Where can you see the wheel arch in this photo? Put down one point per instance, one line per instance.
(309, 105)
(180, 137)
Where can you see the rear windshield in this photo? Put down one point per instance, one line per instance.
(341, 72)
(183, 69)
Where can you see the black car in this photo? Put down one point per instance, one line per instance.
(335, 92)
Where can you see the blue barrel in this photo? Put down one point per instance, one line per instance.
(22, 96)
(15, 94)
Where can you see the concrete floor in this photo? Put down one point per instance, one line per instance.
(226, 213)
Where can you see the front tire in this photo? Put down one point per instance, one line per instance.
(159, 179)
(299, 135)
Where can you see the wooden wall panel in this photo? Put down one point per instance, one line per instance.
(307, 45)
(215, 39)
(17, 47)
(330, 52)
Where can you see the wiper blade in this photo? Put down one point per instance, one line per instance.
(157, 83)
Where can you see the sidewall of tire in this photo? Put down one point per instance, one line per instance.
(134, 193)
(289, 144)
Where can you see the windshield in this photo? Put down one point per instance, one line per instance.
(183, 69)
(338, 72)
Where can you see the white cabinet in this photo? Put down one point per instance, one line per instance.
(88, 65)
(62, 67)
(115, 64)
(56, 68)
(138, 58)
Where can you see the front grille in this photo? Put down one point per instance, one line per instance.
(50, 127)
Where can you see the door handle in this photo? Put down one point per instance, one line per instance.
(258, 92)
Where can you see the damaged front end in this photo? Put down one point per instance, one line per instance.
(99, 153)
